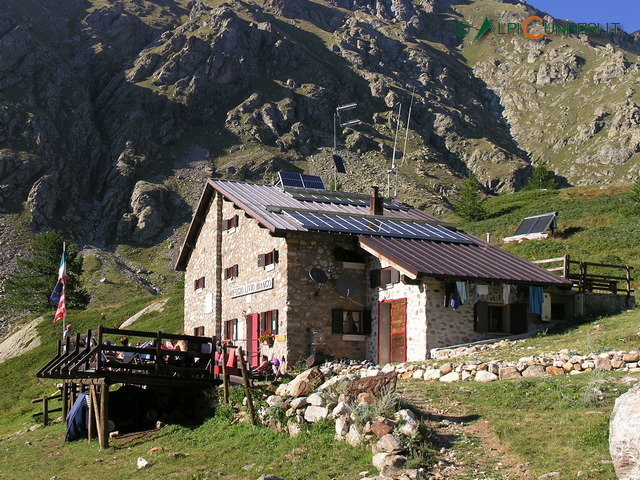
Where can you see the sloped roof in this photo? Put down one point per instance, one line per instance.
(265, 203)
(454, 255)
(476, 261)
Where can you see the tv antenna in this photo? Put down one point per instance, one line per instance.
(394, 167)
(338, 163)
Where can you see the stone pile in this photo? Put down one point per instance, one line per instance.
(560, 363)
(319, 393)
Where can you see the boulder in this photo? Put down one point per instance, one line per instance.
(274, 401)
(432, 374)
(342, 425)
(552, 370)
(603, 364)
(508, 372)
(534, 371)
(450, 377)
(302, 385)
(382, 427)
(405, 415)
(342, 408)
(485, 376)
(316, 399)
(354, 437)
(383, 461)
(375, 386)
(314, 413)
(299, 402)
(624, 435)
(388, 444)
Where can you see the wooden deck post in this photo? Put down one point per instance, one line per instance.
(225, 377)
(92, 420)
(103, 435)
(247, 389)
(65, 401)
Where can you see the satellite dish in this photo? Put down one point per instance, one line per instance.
(318, 275)
(347, 286)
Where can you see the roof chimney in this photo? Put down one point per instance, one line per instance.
(375, 204)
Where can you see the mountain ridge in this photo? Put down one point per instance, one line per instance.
(102, 102)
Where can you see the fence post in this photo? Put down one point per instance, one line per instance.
(567, 266)
(583, 276)
(247, 389)
(45, 410)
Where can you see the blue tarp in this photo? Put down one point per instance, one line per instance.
(78, 419)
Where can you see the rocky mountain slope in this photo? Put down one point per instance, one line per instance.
(112, 113)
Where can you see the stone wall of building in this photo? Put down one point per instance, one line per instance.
(309, 304)
(304, 307)
(200, 305)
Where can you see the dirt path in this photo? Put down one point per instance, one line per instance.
(466, 444)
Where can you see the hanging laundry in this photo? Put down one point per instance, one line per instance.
(463, 291)
(536, 299)
(455, 299)
(475, 294)
(506, 291)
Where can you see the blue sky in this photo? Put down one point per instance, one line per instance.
(624, 12)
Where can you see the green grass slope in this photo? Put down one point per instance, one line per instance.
(595, 224)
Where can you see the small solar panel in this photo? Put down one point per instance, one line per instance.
(301, 180)
(383, 227)
(339, 164)
(536, 224)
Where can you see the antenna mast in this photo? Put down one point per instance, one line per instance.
(394, 167)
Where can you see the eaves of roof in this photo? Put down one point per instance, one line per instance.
(479, 261)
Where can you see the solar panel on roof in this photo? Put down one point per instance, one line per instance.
(375, 226)
(536, 224)
(301, 180)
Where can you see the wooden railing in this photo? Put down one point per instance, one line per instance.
(89, 356)
(590, 277)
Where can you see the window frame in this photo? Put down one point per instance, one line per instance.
(339, 318)
(231, 273)
(265, 260)
(231, 329)
(199, 284)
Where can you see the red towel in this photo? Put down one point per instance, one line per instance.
(231, 359)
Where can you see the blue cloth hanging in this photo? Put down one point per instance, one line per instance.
(536, 299)
(455, 299)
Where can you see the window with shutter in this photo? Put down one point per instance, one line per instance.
(198, 284)
(198, 331)
(231, 329)
(336, 320)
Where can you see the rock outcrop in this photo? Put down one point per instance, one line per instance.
(111, 102)
(624, 435)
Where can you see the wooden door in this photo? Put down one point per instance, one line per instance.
(253, 345)
(398, 331)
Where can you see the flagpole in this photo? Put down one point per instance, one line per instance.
(64, 318)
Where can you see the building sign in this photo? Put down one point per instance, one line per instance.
(251, 288)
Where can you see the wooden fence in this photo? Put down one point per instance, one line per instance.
(592, 277)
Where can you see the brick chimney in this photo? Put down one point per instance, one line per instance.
(375, 204)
